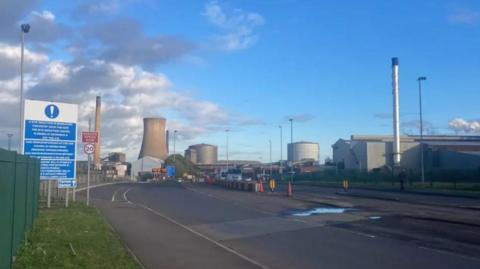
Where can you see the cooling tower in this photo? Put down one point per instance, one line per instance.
(96, 155)
(154, 139)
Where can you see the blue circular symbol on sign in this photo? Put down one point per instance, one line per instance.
(52, 111)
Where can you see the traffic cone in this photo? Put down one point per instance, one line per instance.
(289, 194)
(261, 186)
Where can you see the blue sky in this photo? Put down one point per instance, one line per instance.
(256, 63)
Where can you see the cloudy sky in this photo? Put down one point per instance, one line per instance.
(246, 66)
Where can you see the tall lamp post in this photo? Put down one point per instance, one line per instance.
(24, 29)
(271, 163)
(281, 152)
(226, 145)
(281, 143)
(174, 138)
(422, 164)
(291, 158)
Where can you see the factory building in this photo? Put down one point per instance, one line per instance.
(303, 151)
(154, 139)
(202, 154)
(368, 152)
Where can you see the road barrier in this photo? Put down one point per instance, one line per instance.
(238, 185)
(19, 185)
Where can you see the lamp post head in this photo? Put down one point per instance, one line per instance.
(290, 119)
(422, 78)
(25, 27)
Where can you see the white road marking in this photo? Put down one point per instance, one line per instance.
(355, 232)
(125, 196)
(196, 233)
(448, 253)
(230, 201)
(115, 193)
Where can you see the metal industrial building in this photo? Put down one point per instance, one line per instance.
(202, 154)
(367, 152)
(154, 139)
(302, 151)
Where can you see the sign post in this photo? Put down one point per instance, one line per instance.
(50, 134)
(89, 138)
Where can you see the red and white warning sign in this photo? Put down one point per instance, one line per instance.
(89, 148)
(90, 137)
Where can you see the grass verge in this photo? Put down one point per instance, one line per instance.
(74, 237)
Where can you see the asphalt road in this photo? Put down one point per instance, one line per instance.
(181, 225)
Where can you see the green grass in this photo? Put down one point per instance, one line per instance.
(93, 241)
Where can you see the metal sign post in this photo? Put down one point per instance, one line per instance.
(89, 138)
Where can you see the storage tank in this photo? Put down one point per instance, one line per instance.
(303, 150)
(191, 155)
(205, 153)
(154, 139)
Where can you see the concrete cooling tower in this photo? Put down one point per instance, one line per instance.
(154, 139)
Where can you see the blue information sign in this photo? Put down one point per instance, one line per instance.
(170, 170)
(51, 135)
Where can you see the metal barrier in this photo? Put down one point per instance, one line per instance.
(19, 185)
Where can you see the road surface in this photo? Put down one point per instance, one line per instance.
(184, 225)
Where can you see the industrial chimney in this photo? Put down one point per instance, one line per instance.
(96, 156)
(167, 137)
(154, 139)
(396, 114)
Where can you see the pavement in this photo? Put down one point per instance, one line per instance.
(186, 225)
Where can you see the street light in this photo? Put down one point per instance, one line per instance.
(422, 165)
(281, 143)
(24, 29)
(174, 138)
(271, 163)
(226, 147)
(291, 158)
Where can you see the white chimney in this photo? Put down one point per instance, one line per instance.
(396, 114)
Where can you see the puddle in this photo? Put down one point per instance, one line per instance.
(374, 217)
(321, 210)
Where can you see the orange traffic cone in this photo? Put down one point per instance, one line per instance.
(261, 186)
(289, 194)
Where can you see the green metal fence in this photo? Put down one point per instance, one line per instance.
(19, 185)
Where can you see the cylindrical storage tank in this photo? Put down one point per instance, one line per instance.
(206, 154)
(154, 139)
(191, 155)
(302, 150)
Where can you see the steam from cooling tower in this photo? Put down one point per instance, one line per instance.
(96, 156)
(154, 139)
(396, 114)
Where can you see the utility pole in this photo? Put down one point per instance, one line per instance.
(25, 28)
(422, 165)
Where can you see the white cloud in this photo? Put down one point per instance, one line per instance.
(459, 125)
(236, 26)
(120, 70)
(46, 15)
(464, 16)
